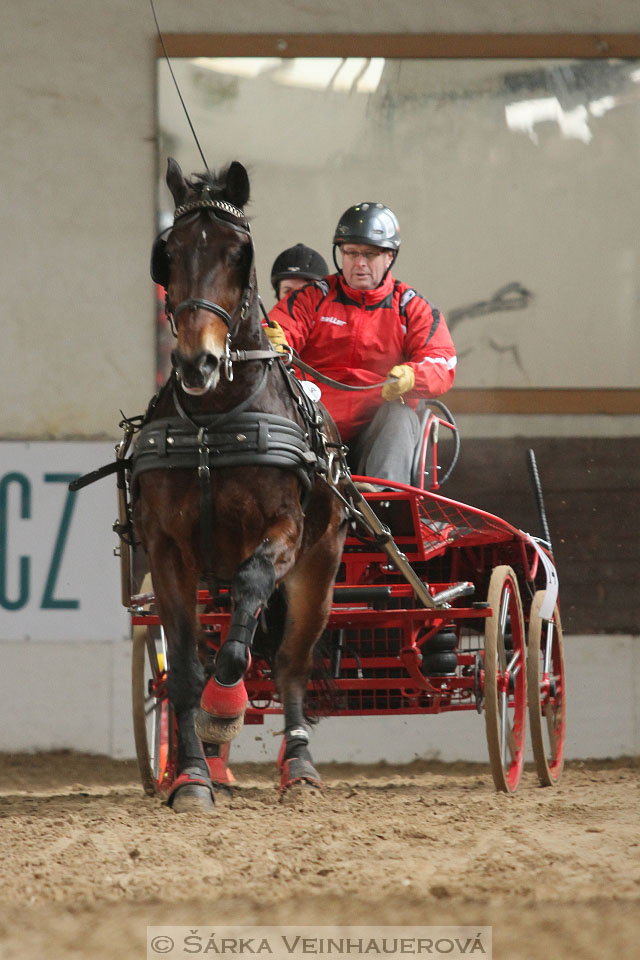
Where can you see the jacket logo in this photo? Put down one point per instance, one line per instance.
(338, 322)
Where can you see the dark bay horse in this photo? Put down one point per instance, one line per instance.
(202, 516)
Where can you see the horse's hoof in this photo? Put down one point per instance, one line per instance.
(298, 771)
(192, 799)
(217, 729)
(191, 793)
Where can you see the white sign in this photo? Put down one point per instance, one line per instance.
(59, 578)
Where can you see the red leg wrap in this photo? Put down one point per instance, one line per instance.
(219, 771)
(225, 702)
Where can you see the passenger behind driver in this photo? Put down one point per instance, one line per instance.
(295, 267)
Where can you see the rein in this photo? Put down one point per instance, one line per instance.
(297, 362)
(292, 358)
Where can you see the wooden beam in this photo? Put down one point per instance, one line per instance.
(553, 401)
(412, 46)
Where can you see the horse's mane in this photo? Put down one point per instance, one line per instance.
(216, 185)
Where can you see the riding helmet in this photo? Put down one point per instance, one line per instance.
(371, 223)
(298, 261)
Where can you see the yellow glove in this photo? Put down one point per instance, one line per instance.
(406, 378)
(277, 337)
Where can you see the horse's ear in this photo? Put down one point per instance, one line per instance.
(176, 182)
(237, 184)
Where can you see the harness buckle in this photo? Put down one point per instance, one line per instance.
(286, 355)
(335, 468)
(227, 363)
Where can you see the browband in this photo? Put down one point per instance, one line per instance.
(223, 205)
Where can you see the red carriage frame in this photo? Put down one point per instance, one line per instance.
(492, 643)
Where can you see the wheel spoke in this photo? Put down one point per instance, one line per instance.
(504, 612)
(551, 727)
(548, 647)
(504, 724)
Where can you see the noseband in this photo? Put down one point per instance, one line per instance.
(199, 303)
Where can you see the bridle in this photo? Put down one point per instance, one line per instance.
(200, 303)
(241, 312)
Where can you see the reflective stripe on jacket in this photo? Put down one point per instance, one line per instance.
(356, 336)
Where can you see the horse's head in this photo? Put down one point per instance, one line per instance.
(208, 263)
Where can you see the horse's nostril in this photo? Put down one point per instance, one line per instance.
(209, 361)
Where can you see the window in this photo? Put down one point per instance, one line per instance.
(513, 165)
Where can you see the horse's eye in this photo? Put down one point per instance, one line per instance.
(235, 258)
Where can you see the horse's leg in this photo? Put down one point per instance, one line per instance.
(222, 706)
(175, 587)
(309, 595)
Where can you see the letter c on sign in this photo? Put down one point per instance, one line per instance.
(25, 514)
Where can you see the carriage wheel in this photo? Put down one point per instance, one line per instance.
(505, 679)
(154, 727)
(545, 679)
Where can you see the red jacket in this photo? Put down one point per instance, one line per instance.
(356, 336)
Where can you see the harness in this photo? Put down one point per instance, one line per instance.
(235, 438)
(243, 440)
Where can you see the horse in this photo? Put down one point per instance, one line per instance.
(265, 522)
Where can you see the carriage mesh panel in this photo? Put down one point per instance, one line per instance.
(445, 522)
(358, 647)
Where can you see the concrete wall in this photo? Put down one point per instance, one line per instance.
(77, 168)
(77, 207)
(77, 696)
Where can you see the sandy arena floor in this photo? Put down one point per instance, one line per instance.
(88, 861)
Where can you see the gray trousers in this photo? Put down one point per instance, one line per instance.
(386, 446)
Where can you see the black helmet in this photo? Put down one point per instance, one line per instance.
(298, 261)
(371, 223)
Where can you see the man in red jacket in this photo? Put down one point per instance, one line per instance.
(360, 326)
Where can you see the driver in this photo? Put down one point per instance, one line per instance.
(360, 326)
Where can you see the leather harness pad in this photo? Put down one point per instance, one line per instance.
(246, 439)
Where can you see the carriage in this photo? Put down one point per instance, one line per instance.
(487, 636)
(264, 550)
